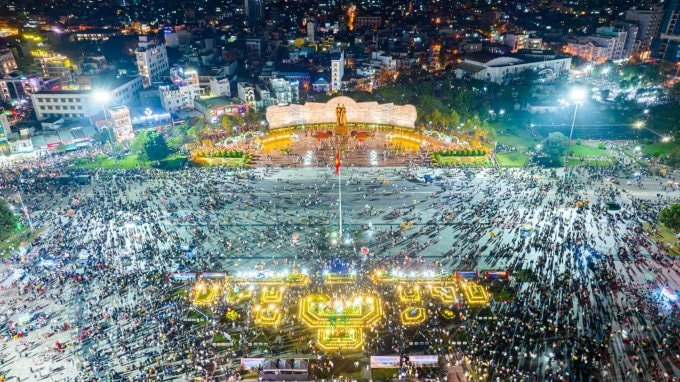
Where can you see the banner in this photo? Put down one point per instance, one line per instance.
(184, 276)
(497, 275)
(385, 362)
(250, 364)
(465, 275)
(424, 360)
(213, 275)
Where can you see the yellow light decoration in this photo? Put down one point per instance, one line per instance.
(345, 339)
(290, 280)
(409, 295)
(385, 277)
(336, 278)
(340, 321)
(413, 316)
(205, 294)
(232, 315)
(272, 295)
(267, 316)
(234, 298)
(446, 294)
(475, 294)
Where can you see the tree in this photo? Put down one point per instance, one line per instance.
(8, 222)
(554, 146)
(155, 146)
(225, 122)
(670, 217)
(137, 145)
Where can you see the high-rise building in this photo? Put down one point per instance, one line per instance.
(253, 11)
(337, 70)
(311, 26)
(666, 45)
(649, 22)
(7, 62)
(152, 61)
(614, 36)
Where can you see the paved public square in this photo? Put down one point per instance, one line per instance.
(94, 297)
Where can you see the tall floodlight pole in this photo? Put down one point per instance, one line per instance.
(577, 96)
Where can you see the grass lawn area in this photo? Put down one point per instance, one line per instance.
(12, 243)
(469, 161)
(665, 238)
(384, 374)
(512, 159)
(584, 151)
(108, 163)
(226, 162)
(656, 149)
(520, 140)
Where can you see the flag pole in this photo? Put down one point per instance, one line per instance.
(340, 197)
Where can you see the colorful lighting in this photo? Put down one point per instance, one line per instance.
(413, 316)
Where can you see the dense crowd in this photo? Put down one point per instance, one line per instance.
(93, 297)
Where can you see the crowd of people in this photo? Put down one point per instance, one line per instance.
(92, 297)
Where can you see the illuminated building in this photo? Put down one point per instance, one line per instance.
(668, 43)
(649, 22)
(337, 70)
(119, 119)
(53, 65)
(7, 62)
(15, 86)
(152, 61)
(184, 90)
(76, 104)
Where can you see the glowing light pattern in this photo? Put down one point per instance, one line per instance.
(445, 294)
(205, 293)
(340, 321)
(334, 339)
(270, 278)
(267, 316)
(475, 294)
(236, 295)
(398, 276)
(339, 278)
(409, 294)
(272, 295)
(413, 316)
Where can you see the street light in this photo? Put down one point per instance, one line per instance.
(577, 95)
(103, 97)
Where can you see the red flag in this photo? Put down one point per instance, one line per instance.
(337, 163)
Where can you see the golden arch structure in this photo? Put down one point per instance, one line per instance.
(314, 113)
(339, 117)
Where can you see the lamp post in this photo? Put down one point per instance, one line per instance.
(103, 98)
(577, 95)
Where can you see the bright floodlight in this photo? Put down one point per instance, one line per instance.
(639, 124)
(666, 139)
(577, 94)
(102, 96)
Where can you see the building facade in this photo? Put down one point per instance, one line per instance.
(7, 62)
(503, 69)
(666, 45)
(76, 104)
(152, 61)
(337, 70)
(648, 22)
(17, 87)
(181, 94)
(121, 123)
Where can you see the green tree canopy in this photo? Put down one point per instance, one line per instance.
(554, 146)
(8, 221)
(670, 217)
(155, 146)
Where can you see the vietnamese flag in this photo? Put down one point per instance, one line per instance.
(337, 163)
